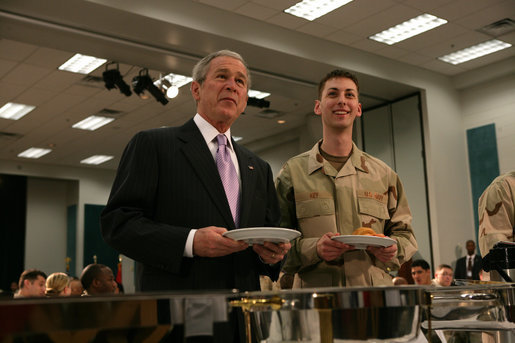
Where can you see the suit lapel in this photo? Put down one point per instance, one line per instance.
(248, 182)
(197, 153)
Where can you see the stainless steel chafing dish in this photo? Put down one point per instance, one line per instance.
(472, 307)
(379, 314)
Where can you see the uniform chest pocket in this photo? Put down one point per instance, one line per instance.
(316, 216)
(372, 207)
(314, 207)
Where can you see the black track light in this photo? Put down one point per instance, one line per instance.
(143, 82)
(113, 79)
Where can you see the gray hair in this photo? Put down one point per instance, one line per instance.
(200, 69)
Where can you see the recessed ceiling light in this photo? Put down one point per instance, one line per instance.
(410, 28)
(97, 159)
(312, 9)
(475, 51)
(15, 111)
(281, 121)
(92, 123)
(34, 153)
(82, 64)
(258, 94)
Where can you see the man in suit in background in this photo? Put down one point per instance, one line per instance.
(469, 267)
(168, 207)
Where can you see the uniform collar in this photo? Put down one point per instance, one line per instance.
(357, 160)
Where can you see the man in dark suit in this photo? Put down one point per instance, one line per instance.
(469, 267)
(168, 208)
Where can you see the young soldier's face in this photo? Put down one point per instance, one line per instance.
(338, 105)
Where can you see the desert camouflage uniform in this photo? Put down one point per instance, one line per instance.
(496, 212)
(316, 199)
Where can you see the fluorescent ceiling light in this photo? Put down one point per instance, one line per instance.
(258, 94)
(92, 123)
(410, 28)
(15, 111)
(475, 51)
(82, 64)
(34, 153)
(97, 159)
(312, 9)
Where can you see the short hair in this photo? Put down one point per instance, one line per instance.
(30, 274)
(337, 73)
(200, 69)
(90, 273)
(56, 283)
(470, 241)
(441, 266)
(420, 263)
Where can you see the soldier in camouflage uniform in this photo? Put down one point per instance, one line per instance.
(335, 188)
(497, 212)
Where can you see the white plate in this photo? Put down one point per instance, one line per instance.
(258, 235)
(361, 241)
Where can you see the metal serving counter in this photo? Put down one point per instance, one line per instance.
(325, 315)
(122, 318)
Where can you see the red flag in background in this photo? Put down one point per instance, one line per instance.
(119, 272)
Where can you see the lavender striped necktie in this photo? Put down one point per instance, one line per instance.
(229, 177)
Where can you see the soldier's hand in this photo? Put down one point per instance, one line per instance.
(329, 249)
(209, 242)
(383, 254)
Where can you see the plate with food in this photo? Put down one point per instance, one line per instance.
(259, 235)
(361, 238)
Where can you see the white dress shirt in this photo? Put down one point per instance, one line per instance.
(209, 133)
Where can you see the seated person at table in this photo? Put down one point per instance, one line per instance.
(98, 279)
(421, 272)
(76, 286)
(32, 284)
(443, 276)
(58, 284)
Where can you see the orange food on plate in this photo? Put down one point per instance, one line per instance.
(366, 231)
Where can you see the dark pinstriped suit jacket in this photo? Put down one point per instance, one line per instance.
(461, 268)
(167, 183)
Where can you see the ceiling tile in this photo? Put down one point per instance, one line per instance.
(9, 92)
(256, 11)
(447, 31)
(459, 8)
(25, 75)
(383, 20)
(354, 12)
(224, 4)
(49, 58)
(279, 5)
(447, 46)
(424, 5)
(6, 66)
(343, 37)
(316, 29)
(286, 20)
(488, 15)
(15, 51)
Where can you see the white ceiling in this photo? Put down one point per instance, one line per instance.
(170, 36)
